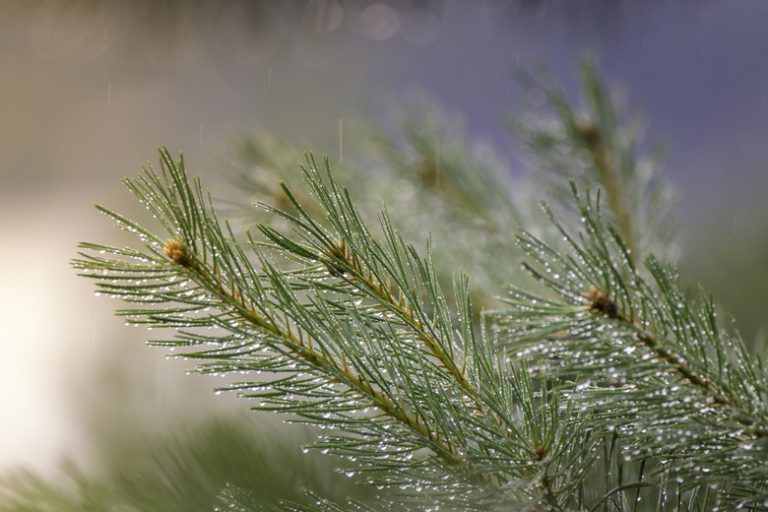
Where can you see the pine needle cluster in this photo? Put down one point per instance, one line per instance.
(595, 384)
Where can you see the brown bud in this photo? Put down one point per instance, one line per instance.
(589, 133)
(177, 253)
(601, 303)
(429, 173)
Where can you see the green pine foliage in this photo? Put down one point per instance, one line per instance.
(597, 144)
(185, 469)
(434, 182)
(595, 384)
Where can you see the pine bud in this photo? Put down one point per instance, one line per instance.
(601, 303)
(177, 253)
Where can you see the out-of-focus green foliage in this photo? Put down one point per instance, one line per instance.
(571, 398)
(183, 470)
(594, 141)
(433, 182)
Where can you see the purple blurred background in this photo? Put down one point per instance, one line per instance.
(90, 89)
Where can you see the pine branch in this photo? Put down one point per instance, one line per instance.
(183, 470)
(434, 182)
(359, 338)
(646, 360)
(233, 499)
(468, 178)
(602, 387)
(600, 146)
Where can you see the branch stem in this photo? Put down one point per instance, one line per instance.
(301, 350)
(364, 280)
(593, 140)
(603, 305)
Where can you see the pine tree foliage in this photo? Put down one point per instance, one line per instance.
(359, 338)
(234, 499)
(644, 359)
(434, 182)
(184, 469)
(599, 143)
(599, 385)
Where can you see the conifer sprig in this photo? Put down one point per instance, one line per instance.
(358, 338)
(601, 386)
(646, 360)
(433, 179)
(598, 143)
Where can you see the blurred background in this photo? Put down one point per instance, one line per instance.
(89, 89)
